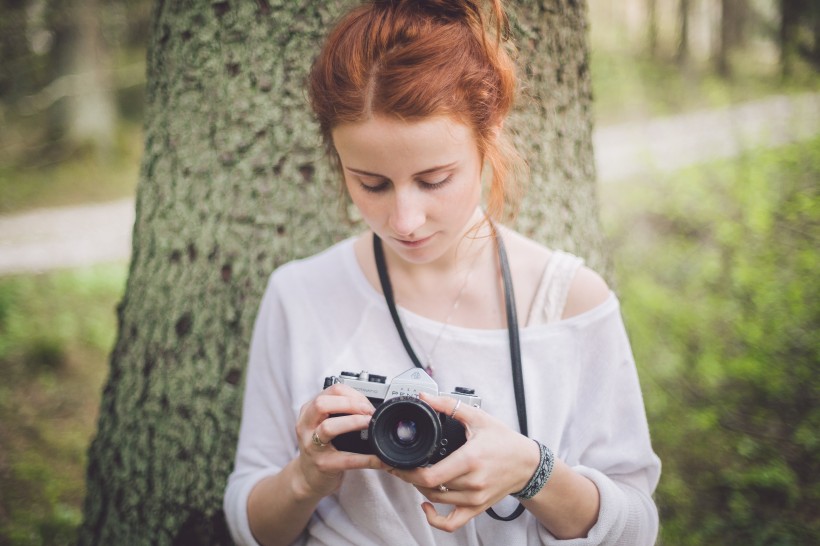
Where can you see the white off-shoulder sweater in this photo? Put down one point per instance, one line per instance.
(320, 316)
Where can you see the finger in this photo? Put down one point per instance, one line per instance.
(341, 389)
(453, 521)
(448, 471)
(334, 403)
(449, 495)
(358, 461)
(463, 412)
(334, 462)
(332, 427)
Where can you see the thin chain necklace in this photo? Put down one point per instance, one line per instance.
(428, 355)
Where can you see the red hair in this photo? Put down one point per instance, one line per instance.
(414, 59)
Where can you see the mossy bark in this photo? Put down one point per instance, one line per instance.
(553, 128)
(232, 185)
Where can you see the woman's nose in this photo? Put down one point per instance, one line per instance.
(408, 213)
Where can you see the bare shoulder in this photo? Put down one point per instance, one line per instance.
(587, 291)
(528, 258)
(527, 262)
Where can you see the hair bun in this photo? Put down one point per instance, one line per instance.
(467, 11)
(456, 9)
(447, 9)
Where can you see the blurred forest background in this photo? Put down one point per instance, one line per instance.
(716, 265)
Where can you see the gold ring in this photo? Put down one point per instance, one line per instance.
(455, 409)
(316, 441)
(443, 488)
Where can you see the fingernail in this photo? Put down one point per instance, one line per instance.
(366, 408)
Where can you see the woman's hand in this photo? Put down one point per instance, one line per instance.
(320, 465)
(494, 462)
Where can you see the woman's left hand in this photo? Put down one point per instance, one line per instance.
(494, 462)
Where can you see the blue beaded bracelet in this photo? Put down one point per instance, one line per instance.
(541, 475)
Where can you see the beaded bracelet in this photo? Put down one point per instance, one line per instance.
(541, 475)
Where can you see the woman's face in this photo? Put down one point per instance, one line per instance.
(417, 184)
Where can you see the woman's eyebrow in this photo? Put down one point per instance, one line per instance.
(364, 173)
(425, 171)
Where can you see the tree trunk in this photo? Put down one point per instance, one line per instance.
(92, 112)
(682, 54)
(652, 28)
(799, 36)
(553, 123)
(15, 55)
(233, 185)
(733, 14)
(87, 112)
(790, 11)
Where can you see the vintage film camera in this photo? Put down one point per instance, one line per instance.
(404, 432)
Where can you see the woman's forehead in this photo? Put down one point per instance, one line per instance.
(394, 136)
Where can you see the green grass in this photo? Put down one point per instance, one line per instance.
(56, 332)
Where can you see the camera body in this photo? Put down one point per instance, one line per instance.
(404, 431)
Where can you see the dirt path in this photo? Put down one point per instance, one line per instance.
(66, 237)
(46, 239)
(668, 144)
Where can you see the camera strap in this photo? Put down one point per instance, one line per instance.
(512, 329)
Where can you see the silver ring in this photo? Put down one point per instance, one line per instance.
(455, 409)
(443, 488)
(316, 441)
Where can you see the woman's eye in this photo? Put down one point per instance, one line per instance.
(436, 184)
(374, 186)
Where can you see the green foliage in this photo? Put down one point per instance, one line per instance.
(628, 85)
(718, 267)
(77, 176)
(55, 333)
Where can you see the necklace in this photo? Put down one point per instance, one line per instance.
(428, 355)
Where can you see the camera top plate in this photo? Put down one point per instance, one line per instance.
(412, 383)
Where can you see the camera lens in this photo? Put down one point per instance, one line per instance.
(404, 432)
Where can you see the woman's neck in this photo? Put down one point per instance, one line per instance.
(463, 290)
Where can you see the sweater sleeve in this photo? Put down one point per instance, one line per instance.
(263, 449)
(608, 437)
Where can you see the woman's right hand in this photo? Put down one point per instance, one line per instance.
(320, 464)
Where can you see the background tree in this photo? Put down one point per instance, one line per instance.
(63, 76)
(87, 113)
(682, 49)
(652, 28)
(733, 17)
(13, 49)
(233, 185)
(799, 34)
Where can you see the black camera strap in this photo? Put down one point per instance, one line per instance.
(512, 328)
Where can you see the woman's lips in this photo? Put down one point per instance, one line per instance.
(414, 243)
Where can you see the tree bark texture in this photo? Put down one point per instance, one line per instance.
(553, 128)
(232, 185)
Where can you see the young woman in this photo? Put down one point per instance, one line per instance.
(411, 97)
